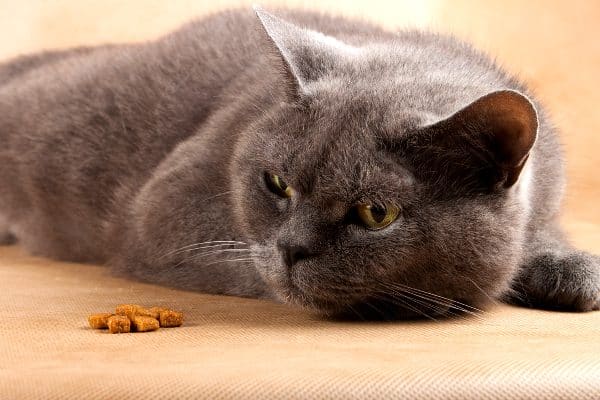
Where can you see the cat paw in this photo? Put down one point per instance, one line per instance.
(561, 281)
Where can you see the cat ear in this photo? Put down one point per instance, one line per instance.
(307, 55)
(492, 136)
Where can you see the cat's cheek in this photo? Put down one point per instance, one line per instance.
(246, 216)
(257, 211)
(271, 270)
(281, 205)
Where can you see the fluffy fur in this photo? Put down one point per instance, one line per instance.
(152, 158)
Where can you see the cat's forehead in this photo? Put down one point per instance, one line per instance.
(347, 165)
(335, 146)
(389, 89)
(374, 106)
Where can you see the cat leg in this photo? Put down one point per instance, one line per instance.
(555, 275)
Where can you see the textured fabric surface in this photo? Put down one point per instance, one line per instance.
(239, 348)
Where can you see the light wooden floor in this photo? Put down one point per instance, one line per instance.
(553, 45)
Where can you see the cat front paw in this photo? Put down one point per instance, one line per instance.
(576, 299)
(568, 281)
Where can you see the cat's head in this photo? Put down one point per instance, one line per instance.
(376, 187)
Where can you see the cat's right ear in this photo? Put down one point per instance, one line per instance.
(307, 55)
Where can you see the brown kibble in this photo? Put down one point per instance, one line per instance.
(170, 318)
(143, 323)
(153, 312)
(129, 310)
(135, 318)
(119, 324)
(99, 321)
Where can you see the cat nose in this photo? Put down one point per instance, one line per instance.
(293, 253)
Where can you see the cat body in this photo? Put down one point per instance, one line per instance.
(239, 155)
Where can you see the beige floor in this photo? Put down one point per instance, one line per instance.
(249, 349)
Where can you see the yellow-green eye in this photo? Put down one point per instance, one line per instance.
(278, 186)
(377, 217)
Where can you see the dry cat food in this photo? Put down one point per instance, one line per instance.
(99, 321)
(134, 318)
(169, 318)
(145, 324)
(119, 324)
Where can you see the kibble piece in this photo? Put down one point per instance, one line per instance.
(153, 312)
(99, 321)
(129, 310)
(119, 324)
(170, 319)
(145, 324)
(135, 318)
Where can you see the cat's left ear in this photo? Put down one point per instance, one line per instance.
(307, 55)
(485, 144)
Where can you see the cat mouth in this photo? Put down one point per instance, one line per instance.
(294, 290)
(351, 303)
(344, 306)
(318, 299)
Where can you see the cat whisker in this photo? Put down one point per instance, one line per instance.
(494, 301)
(447, 308)
(418, 305)
(193, 249)
(419, 299)
(215, 243)
(377, 310)
(426, 299)
(413, 297)
(239, 260)
(222, 251)
(417, 295)
(219, 251)
(423, 301)
(437, 308)
(218, 195)
(441, 298)
(355, 312)
(402, 303)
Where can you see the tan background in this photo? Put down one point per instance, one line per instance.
(236, 348)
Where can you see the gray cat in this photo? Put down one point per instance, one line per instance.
(322, 162)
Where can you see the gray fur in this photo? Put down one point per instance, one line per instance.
(127, 154)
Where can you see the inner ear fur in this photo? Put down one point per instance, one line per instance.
(306, 54)
(495, 133)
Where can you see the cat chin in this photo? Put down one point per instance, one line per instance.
(351, 304)
(384, 311)
(366, 305)
(326, 306)
(285, 291)
(370, 308)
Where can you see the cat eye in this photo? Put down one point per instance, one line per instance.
(377, 217)
(278, 186)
